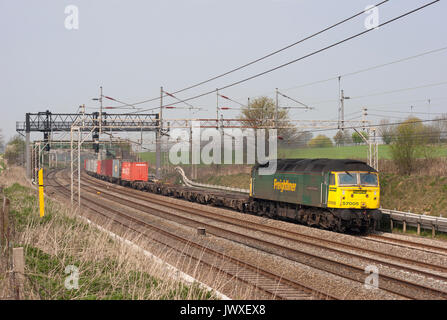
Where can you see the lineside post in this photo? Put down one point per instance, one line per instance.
(2, 222)
(71, 167)
(5, 223)
(41, 197)
(158, 138)
(19, 271)
(79, 167)
(28, 155)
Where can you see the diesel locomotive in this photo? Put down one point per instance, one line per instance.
(333, 194)
(339, 195)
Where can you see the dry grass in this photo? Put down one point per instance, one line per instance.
(434, 167)
(108, 268)
(240, 180)
(417, 194)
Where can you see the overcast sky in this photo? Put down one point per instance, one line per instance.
(132, 48)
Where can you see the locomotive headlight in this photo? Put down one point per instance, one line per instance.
(343, 192)
(375, 193)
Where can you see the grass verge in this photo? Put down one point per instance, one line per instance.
(60, 243)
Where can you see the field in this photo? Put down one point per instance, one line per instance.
(344, 152)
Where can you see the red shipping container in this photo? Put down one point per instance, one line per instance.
(106, 167)
(98, 168)
(134, 171)
(85, 163)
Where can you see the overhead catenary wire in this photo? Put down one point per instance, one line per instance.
(403, 102)
(263, 57)
(237, 102)
(400, 90)
(294, 100)
(347, 115)
(366, 69)
(410, 112)
(377, 125)
(421, 135)
(385, 116)
(313, 53)
(389, 92)
(180, 100)
(119, 101)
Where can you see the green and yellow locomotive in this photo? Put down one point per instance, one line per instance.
(334, 194)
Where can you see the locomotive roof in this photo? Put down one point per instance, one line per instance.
(320, 165)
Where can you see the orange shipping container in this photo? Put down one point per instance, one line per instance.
(134, 171)
(98, 168)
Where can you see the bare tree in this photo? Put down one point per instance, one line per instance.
(440, 124)
(386, 131)
(262, 112)
(342, 137)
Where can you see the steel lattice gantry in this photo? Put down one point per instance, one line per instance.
(48, 122)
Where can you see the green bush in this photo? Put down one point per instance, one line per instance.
(320, 141)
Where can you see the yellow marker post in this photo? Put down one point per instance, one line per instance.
(41, 202)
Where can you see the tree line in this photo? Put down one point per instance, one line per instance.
(409, 140)
(14, 151)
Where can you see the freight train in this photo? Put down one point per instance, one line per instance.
(334, 194)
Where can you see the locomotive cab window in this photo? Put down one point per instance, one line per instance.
(347, 179)
(332, 180)
(368, 179)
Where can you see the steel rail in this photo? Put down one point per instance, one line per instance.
(348, 271)
(288, 235)
(286, 283)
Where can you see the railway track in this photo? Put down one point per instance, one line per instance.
(332, 245)
(406, 243)
(400, 286)
(271, 284)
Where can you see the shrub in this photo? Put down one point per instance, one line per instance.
(320, 141)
